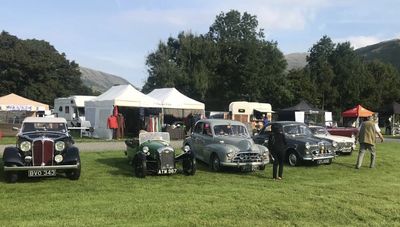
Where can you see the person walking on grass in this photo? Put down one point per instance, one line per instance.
(277, 146)
(366, 137)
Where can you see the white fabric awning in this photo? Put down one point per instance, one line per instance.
(172, 98)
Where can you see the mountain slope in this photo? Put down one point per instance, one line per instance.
(387, 52)
(99, 81)
(296, 60)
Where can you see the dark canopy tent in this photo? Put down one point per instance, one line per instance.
(311, 113)
(390, 117)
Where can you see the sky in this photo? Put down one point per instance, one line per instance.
(116, 36)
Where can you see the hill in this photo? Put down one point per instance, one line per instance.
(296, 60)
(99, 81)
(387, 52)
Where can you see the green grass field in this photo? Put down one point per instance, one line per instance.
(108, 194)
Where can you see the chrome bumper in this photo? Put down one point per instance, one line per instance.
(318, 158)
(24, 168)
(239, 164)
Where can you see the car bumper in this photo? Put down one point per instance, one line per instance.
(24, 168)
(239, 164)
(318, 158)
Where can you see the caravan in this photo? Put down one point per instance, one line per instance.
(72, 109)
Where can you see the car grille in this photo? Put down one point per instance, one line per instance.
(244, 157)
(43, 152)
(167, 158)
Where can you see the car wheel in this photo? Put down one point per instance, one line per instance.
(139, 165)
(262, 167)
(75, 173)
(189, 165)
(11, 176)
(293, 159)
(215, 163)
(330, 162)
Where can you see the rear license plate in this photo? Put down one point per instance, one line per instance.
(323, 161)
(42, 173)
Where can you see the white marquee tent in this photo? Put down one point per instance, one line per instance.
(100, 108)
(175, 103)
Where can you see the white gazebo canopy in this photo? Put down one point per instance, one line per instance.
(173, 99)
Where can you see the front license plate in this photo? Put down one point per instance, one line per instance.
(249, 168)
(323, 161)
(41, 173)
(167, 171)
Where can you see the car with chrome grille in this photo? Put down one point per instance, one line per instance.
(302, 145)
(44, 148)
(152, 153)
(226, 143)
(343, 144)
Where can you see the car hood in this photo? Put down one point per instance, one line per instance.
(242, 143)
(337, 139)
(305, 139)
(36, 135)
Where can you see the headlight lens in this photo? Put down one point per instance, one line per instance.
(186, 148)
(334, 144)
(25, 146)
(307, 145)
(58, 158)
(60, 146)
(145, 149)
(229, 154)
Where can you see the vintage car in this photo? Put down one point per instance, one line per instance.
(302, 145)
(344, 145)
(151, 153)
(351, 132)
(44, 148)
(226, 143)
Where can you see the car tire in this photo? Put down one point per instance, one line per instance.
(75, 174)
(262, 167)
(189, 165)
(139, 165)
(11, 176)
(293, 159)
(215, 163)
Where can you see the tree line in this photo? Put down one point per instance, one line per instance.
(233, 61)
(36, 70)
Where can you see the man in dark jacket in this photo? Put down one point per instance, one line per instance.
(366, 137)
(277, 146)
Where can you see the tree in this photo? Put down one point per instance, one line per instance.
(34, 69)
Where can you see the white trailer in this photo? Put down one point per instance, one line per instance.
(249, 111)
(72, 109)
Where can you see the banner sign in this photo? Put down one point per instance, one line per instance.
(19, 108)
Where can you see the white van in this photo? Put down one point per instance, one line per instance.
(72, 109)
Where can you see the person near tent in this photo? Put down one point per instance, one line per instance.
(112, 124)
(366, 138)
(121, 126)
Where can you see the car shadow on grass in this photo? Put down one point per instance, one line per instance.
(120, 166)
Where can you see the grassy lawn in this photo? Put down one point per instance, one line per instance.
(107, 194)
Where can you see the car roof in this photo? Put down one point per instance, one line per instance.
(287, 122)
(221, 121)
(44, 120)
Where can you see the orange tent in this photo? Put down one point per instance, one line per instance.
(13, 102)
(357, 111)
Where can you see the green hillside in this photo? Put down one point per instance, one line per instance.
(387, 52)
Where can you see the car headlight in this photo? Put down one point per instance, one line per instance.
(25, 146)
(229, 154)
(58, 158)
(145, 149)
(307, 145)
(60, 146)
(186, 148)
(334, 144)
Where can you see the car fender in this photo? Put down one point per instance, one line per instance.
(262, 148)
(12, 155)
(220, 149)
(71, 155)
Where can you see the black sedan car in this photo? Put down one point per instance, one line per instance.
(302, 145)
(44, 148)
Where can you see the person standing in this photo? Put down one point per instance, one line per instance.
(265, 120)
(366, 138)
(277, 147)
(112, 124)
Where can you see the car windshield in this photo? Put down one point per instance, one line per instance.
(52, 127)
(296, 130)
(230, 130)
(143, 137)
(319, 131)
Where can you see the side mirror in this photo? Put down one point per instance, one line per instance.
(15, 128)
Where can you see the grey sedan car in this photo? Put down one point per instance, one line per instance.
(226, 143)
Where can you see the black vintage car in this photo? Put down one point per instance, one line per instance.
(302, 145)
(44, 148)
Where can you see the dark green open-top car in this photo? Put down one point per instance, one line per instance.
(152, 154)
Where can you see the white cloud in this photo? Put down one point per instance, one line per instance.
(360, 41)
